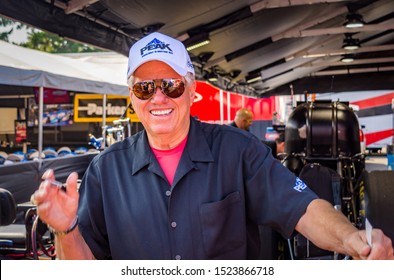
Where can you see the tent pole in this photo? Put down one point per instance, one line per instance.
(40, 124)
(104, 127)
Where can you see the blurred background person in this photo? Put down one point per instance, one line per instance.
(243, 119)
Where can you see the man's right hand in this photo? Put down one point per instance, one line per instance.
(55, 206)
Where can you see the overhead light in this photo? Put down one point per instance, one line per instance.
(350, 43)
(253, 78)
(347, 58)
(354, 20)
(197, 41)
(195, 46)
(212, 77)
(314, 55)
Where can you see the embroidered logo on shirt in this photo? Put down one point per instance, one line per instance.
(299, 185)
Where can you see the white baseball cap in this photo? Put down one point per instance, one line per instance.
(157, 46)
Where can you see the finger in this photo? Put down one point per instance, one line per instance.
(33, 200)
(381, 246)
(364, 248)
(365, 251)
(45, 191)
(43, 210)
(358, 246)
(72, 184)
(48, 174)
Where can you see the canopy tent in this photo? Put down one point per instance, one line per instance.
(259, 48)
(27, 68)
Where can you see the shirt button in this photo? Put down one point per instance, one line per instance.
(177, 257)
(168, 193)
(173, 224)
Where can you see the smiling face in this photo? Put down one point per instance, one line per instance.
(166, 120)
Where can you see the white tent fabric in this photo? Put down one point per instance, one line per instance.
(26, 67)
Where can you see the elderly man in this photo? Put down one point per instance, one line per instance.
(183, 189)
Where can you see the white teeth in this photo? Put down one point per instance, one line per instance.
(161, 112)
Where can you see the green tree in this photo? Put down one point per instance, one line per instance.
(52, 43)
(8, 27)
(43, 41)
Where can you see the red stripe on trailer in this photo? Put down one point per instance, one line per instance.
(373, 137)
(375, 101)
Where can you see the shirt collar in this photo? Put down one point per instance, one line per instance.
(142, 154)
(196, 146)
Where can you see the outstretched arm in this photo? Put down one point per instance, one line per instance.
(331, 230)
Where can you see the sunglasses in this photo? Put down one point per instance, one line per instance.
(172, 88)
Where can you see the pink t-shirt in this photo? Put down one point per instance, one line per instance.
(169, 159)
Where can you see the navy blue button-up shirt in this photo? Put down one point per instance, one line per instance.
(226, 184)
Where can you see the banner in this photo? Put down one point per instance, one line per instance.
(54, 96)
(53, 114)
(89, 108)
(20, 131)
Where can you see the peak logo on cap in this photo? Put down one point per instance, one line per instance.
(155, 45)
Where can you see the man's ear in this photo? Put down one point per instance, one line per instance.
(130, 96)
(192, 93)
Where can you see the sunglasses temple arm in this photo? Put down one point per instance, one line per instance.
(125, 111)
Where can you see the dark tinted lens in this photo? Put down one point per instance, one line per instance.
(173, 88)
(144, 90)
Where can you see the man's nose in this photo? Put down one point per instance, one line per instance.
(159, 96)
